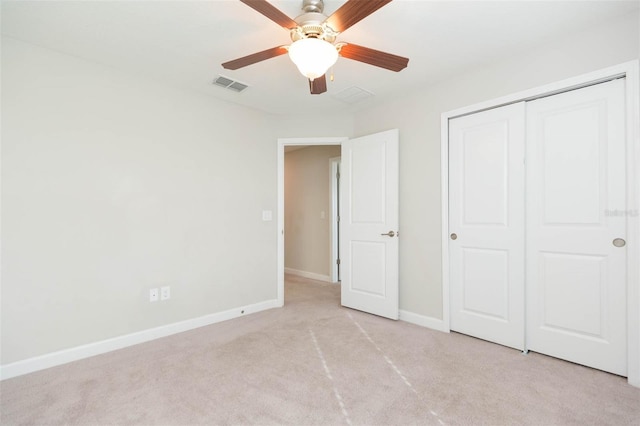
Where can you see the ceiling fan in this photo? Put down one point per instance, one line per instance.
(313, 35)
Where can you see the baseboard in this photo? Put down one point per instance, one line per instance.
(424, 321)
(310, 275)
(65, 356)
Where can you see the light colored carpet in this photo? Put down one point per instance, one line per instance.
(316, 363)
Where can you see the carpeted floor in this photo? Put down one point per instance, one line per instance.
(316, 363)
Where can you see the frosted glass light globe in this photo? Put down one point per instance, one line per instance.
(313, 56)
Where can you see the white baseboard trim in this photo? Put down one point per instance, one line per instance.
(311, 275)
(65, 356)
(424, 321)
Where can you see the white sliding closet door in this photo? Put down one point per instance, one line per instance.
(486, 217)
(564, 223)
(576, 282)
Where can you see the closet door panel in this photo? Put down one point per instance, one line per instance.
(486, 205)
(576, 283)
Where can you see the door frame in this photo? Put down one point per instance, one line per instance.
(334, 165)
(629, 70)
(282, 142)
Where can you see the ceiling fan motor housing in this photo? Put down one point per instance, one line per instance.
(311, 25)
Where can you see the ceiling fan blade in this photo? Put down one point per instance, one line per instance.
(255, 57)
(318, 85)
(271, 12)
(374, 57)
(352, 12)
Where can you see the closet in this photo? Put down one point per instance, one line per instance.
(537, 196)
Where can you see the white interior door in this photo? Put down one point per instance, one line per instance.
(369, 223)
(576, 279)
(486, 224)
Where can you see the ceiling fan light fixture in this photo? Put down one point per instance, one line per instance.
(313, 56)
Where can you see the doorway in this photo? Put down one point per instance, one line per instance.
(369, 210)
(310, 213)
(282, 143)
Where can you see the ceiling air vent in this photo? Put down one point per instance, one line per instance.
(230, 84)
(352, 95)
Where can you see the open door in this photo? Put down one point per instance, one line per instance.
(369, 224)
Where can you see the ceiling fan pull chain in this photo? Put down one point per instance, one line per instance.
(331, 76)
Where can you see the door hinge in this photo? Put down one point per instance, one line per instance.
(338, 218)
(338, 175)
(338, 261)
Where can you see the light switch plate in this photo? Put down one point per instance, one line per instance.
(267, 215)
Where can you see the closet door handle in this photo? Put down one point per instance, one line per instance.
(619, 242)
(389, 234)
(454, 236)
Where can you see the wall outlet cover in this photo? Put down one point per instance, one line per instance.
(165, 293)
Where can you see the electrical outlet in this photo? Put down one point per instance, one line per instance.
(165, 293)
(153, 295)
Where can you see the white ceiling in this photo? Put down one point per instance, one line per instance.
(183, 43)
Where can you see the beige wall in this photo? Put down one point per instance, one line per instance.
(417, 115)
(307, 196)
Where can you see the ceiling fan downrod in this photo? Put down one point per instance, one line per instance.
(311, 23)
(313, 6)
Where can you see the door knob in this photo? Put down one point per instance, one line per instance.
(454, 236)
(389, 234)
(619, 242)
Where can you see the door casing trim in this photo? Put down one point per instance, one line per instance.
(334, 165)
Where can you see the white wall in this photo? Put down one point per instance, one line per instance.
(307, 186)
(313, 125)
(112, 185)
(417, 115)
